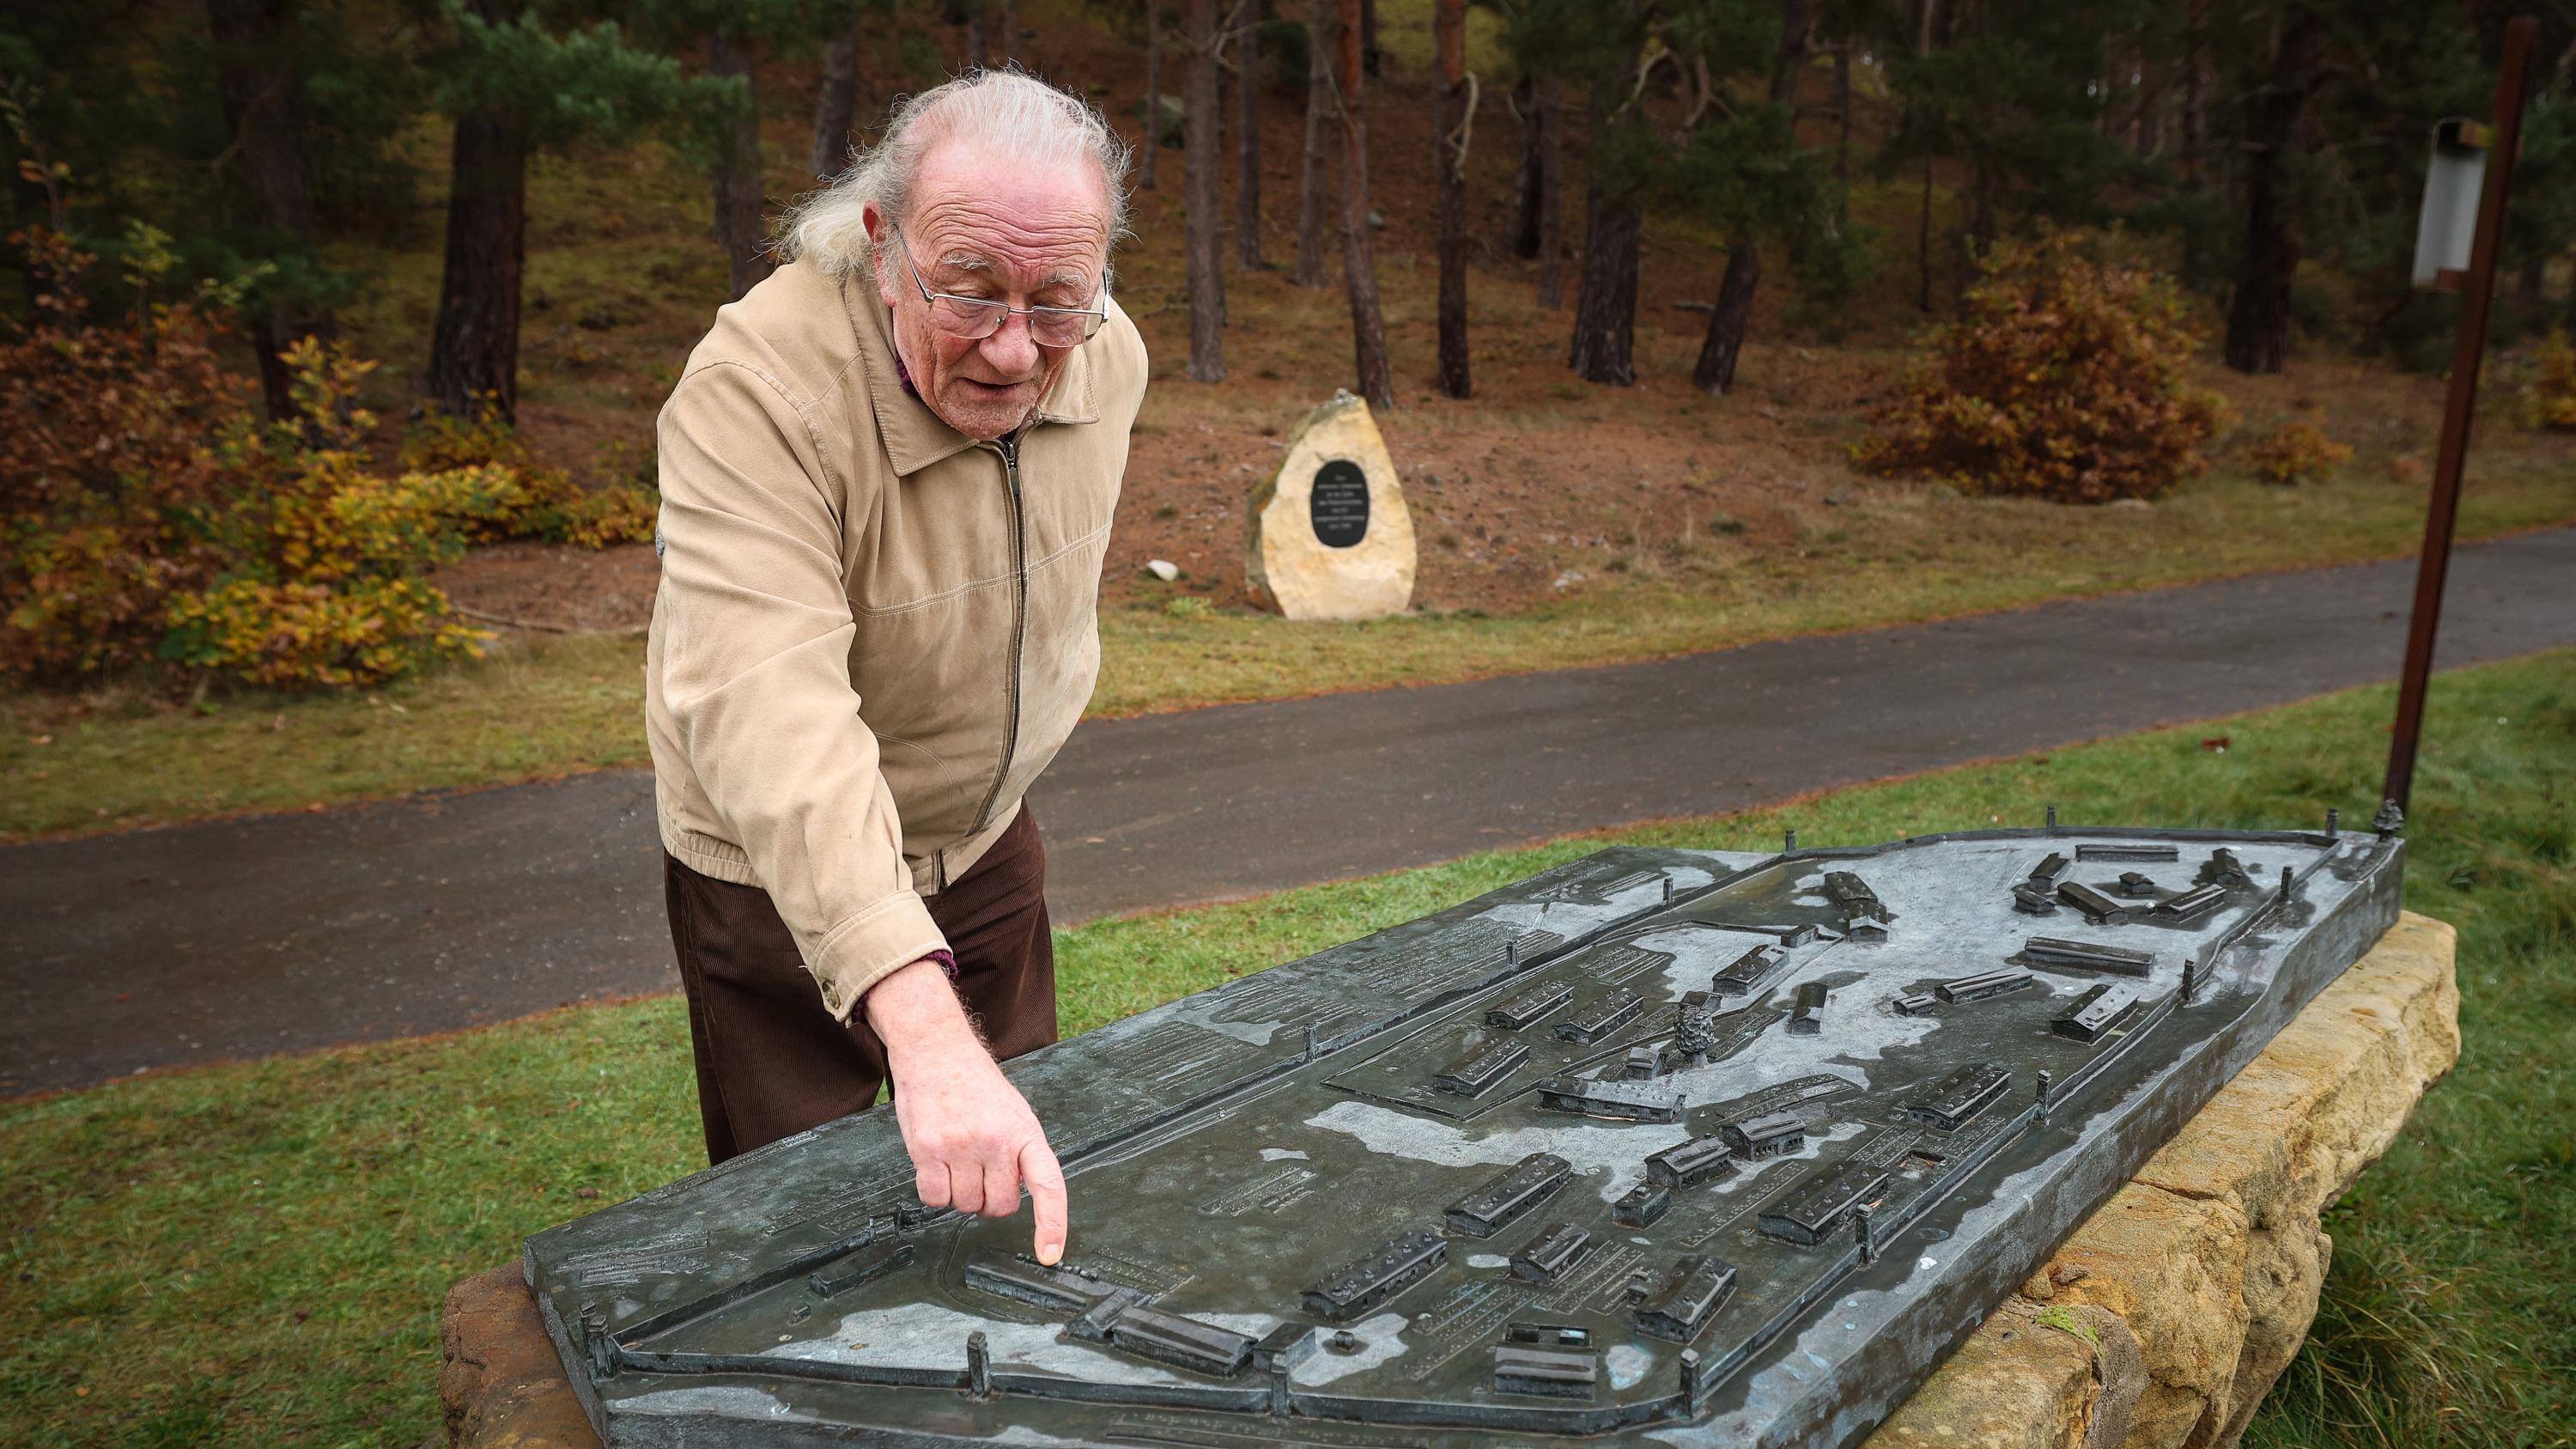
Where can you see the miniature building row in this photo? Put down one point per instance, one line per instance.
(1498, 1204)
(1999, 982)
(1483, 1069)
(1530, 1006)
(1600, 1016)
(1549, 1372)
(1853, 898)
(2095, 1012)
(1955, 1100)
(1773, 1134)
(1751, 971)
(1811, 1212)
(1558, 1246)
(1702, 1159)
(1355, 1288)
(2119, 961)
(1808, 1016)
(2190, 905)
(2128, 850)
(2098, 908)
(1622, 1101)
(1698, 1287)
(1114, 1314)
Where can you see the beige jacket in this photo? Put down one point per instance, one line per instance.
(872, 632)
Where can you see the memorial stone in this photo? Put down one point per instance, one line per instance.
(1328, 535)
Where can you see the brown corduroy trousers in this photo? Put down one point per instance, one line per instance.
(772, 1061)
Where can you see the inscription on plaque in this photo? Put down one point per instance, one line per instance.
(1338, 504)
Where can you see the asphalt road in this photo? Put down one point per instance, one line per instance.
(240, 938)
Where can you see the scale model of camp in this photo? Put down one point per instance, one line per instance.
(1660, 1146)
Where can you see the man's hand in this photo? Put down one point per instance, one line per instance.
(972, 1137)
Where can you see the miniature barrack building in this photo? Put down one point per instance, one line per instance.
(1580, 1160)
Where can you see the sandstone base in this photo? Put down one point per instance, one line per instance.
(2160, 1323)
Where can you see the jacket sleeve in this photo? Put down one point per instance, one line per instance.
(755, 671)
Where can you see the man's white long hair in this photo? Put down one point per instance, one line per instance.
(1015, 113)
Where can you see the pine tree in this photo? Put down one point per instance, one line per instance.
(1359, 269)
(262, 96)
(517, 87)
(1247, 137)
(1203, 197)
(1603, 49)
(1449, 21)
(1322, 44)
(2258, 320)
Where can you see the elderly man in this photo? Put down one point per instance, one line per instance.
(887, 478)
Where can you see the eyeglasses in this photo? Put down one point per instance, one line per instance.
(976, 318)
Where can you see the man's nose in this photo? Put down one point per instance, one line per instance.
(1011, 350)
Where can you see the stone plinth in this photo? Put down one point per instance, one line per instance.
(1328, 535)
(2160, 1323)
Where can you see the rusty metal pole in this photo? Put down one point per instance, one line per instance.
(2477, 297)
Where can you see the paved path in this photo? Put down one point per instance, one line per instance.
(244, 937)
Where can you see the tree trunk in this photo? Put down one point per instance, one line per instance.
(979, 42)
(1923, 240)
(1153, 92)
(1605, 309)
(1925, 13)
(1522, 239)
(1551, 201)
(1321, 47)
(2194, 127)
(2531, 294)
(1203, 196)
(737, 173)
(1449, 143)
(474, 349)
(2258, 321)
(1369, 57)
(1715, 370)
(1843, 118)
(260, 106)
(836, 106)
(1359, 271)
(1009, 25)
(1247, 142)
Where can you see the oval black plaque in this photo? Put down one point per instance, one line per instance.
(1339, 505)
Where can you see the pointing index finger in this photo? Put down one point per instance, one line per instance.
(1045, 1179)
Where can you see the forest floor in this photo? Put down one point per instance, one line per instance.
(1560, 522)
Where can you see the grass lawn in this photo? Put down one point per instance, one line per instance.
(254, 1254)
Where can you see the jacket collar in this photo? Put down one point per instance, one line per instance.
(914, 436)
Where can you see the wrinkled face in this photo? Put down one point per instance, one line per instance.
(987, 224)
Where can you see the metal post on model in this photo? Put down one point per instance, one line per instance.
(2471, 172)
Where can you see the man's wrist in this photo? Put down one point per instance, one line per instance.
(916, 1006)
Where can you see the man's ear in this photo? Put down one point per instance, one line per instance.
(878, 259)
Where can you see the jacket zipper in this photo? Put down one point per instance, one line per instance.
(1009, 447)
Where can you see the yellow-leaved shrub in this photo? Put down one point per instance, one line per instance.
(2297, 453)
(2549, 399)
(2065, 378)
(148, 521)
